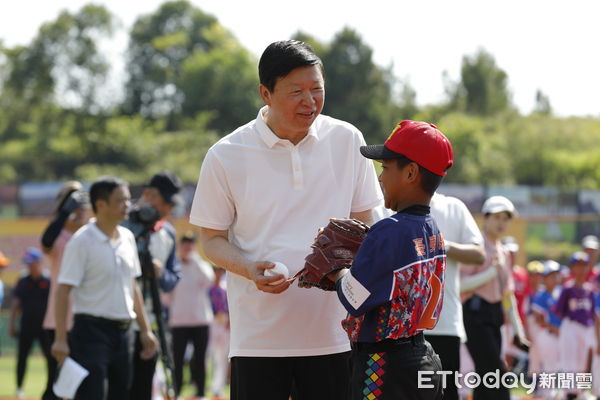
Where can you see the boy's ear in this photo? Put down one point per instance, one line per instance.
(412, 171)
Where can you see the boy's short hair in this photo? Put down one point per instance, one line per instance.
(102, 188)
(429, 181)
(281, 57)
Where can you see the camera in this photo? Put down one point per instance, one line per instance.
(142, 220)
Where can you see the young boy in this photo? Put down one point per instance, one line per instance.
(394, 289)
(576, 307)
(543, 306)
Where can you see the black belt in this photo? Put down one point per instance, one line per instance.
(388, 344)
(122, 324)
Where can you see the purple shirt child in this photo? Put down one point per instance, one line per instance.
(577, 303)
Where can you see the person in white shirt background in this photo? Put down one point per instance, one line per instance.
(464, 244)
(99, 269)
(190, 313)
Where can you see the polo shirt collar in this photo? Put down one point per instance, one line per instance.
(101, 236)
(270, 138)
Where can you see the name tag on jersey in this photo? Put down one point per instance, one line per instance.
(354, 291)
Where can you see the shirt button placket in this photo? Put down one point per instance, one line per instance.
(297, 169)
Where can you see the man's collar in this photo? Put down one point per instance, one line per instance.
(270, 138)
(98, 233)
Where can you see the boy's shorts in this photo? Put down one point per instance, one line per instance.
(396, 369)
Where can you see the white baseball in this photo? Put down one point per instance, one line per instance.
(278, 269)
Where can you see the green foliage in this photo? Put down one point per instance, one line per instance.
(483, 86)
(191, 81)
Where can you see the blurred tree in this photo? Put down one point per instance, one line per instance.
(63, 62)
(482, 89)
(357, 90)
(222, 82)
(159, 45)
(542, 103)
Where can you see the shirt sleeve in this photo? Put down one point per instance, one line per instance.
(470, 232)
(172, 271)
(18, 292)
(213, 206)
(74, 261)
(368, 284)
(367, 192)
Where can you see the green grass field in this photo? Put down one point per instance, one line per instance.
(35, 378)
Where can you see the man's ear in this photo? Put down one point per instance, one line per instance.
(265, 94)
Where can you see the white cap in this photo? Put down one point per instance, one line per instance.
(498, 204)
(590, 242)
(550, 266)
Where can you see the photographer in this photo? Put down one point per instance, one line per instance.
(150, 215)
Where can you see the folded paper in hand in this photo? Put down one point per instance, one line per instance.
(70, 377)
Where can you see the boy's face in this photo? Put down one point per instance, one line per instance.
(393, 184)
(579, 271)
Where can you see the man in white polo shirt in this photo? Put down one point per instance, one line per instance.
(264, 190)
(99, 267)
(464, 244)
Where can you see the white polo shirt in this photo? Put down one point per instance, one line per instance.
(272, 196)
(190, 302)
(457, 225)
(101, 272)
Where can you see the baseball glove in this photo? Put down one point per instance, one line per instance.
(334, 248)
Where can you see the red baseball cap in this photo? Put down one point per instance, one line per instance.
(420, 142)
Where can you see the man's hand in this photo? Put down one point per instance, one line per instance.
(256, 272)
(158, 267)
(12, 331)
(149, 345)
(60, 350)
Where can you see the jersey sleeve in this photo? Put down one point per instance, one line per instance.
(213, 206)
(367, 192)
(538, 304)
(369, 282)
(72, 268)
(560, 308)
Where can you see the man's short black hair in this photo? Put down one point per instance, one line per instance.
(102, 188)
(429, 180)
(280, 58)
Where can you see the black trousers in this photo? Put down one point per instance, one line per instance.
(26, 339)
(104, 349)
(143, 373)
(402, 369)
(198, 336)
(482, 322)
(324, 377)
(52, 369)
(448, 349)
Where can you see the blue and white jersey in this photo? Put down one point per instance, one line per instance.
(544, 302)
(394, 288)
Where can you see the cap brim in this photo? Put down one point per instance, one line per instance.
(378, 152)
